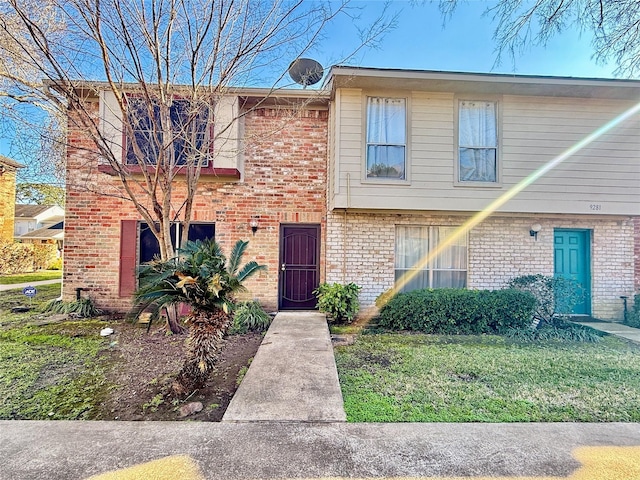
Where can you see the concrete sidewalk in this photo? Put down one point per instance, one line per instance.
(617, 329)
(293, 376)
(14, 286)
(228, 451)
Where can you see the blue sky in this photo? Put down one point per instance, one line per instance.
(464, 43)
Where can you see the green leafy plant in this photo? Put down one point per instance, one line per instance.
(458, 311)
(553, 295)
(384, 298)
(561, 331)
(82, 308)
(633, 316)
(203, 278)
(250, 317)
(339, 301)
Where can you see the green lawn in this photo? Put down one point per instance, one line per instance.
(48, 371)
(30, 277)
(428, 378)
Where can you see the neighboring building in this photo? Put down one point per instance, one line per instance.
(8, 170)
(414, 155)
(268, 173)
(29, 218)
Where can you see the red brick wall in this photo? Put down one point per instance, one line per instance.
(284, 181)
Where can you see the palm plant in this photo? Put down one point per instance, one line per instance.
(201, 277)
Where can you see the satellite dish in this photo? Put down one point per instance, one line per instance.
(305, 71)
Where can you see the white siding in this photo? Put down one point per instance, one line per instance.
(601, 178)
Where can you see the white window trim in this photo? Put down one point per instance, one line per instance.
(429, 267)
(456, 138)
(407, 148)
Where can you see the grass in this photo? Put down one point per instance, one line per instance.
(15, 298)
(428, 378)
(30, 277)
(50, 371)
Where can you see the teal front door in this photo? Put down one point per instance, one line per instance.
(572, 261)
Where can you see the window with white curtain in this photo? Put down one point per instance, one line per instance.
(386, 137)
(477, 141)
(415, 246)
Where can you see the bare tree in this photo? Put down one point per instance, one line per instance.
(167, 67)
(614, 24)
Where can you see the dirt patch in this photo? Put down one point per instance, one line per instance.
(143, 366)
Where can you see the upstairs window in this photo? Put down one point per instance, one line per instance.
(386, 138)
(477, 141)
(416, 262)
(187, 135)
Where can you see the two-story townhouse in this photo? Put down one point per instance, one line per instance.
(266, 183)
(468, 180)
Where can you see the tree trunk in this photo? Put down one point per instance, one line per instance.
(173, 321)
(205, 335)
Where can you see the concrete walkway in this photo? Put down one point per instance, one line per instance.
(14, 286)
(617, 329)
(293, 376)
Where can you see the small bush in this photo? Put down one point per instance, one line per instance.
(633, 315)
(560, 330)
(43, 255)
(55, 264)
(554, 295)
(250, 317)
(15, 257)
(384, 298)
(83, 308)
(458, 311)
(339, 301)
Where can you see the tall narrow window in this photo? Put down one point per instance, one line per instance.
(418, 266)
(386, 137)
(477, 141)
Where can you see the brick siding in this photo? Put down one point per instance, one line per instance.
(7, 203)
(284, 181)
(360, 249)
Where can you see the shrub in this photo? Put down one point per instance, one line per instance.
(383, 298)
(560, 330)
(250, 317)
(15, 257)
(553, 295)
(83, 308)
(55, 264)
(458, 311)
(43, 255)
(633, 315)
(339, 301)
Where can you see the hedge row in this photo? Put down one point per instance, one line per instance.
(458, 311)
(25, 257)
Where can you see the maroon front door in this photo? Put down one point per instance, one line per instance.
(299, 266)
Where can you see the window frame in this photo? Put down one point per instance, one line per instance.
(430, 266)
(365, 144)
(208, 132)
(176, 231)
(497, 100)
